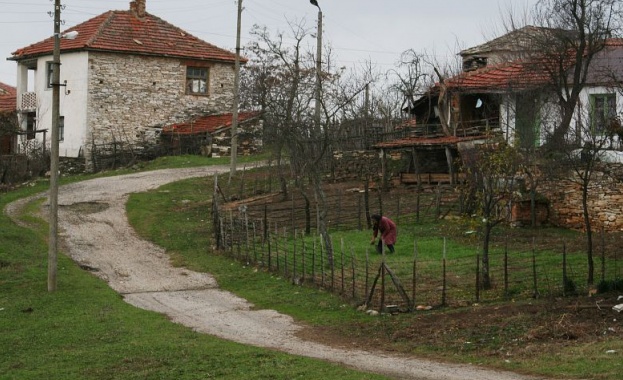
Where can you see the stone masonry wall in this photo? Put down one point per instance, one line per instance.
(132, 97)
(348, 165)
(605, 198)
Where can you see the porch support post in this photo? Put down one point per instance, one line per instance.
(416, 165)
(450, 165)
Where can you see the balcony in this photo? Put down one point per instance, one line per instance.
(29, 102)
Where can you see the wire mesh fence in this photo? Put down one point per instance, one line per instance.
(280, 235)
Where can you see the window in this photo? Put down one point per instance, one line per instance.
(61, 128)
(603, 112)
(49, 73)
(31, 125)
(197, 80)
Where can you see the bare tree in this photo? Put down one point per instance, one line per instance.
(572, 33)
(281, 76)
(493, 185)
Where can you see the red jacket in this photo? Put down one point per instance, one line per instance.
(388, 230)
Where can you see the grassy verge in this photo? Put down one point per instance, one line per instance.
(86, 331)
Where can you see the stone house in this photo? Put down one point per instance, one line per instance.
(499, 92)
(124, 75)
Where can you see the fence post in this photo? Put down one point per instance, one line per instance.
(398, 208)
(414, 277)
(603, 256)
(254, 243)
(294, 258)
(382, 280)
(438, 201)
(418, 201)
(216, 219)
(366, 199)
(303, 254)
(332, 263)
(246, 227)
(266, 226)
(535, 292)
(367, 295)
(444, 286)
(321, 262)
(506, 268)
(292, 213)
(313, 263)
(478, 277)
(342, 262)
(269, 249)
(564, 269)
(352, 267)
(231, 233)
(359, 224)
(339, 211)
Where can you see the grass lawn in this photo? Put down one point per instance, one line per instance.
(85, 330)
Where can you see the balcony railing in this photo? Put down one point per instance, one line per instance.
(29, 102)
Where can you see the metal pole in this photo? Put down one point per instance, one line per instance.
(234, 114)
(56, 78)
(318, 69)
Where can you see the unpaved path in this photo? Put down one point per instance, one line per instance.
(96, 233)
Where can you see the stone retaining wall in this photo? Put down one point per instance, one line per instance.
(605, 199)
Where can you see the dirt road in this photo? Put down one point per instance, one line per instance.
(96, 232)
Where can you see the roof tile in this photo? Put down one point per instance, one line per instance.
(8, 95)
(124, 32)
(209, 123)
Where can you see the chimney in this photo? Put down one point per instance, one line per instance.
(138, 7)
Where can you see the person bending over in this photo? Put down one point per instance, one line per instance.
(388, 232)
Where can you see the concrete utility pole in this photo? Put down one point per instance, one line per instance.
(318, 66)
(234, 113)
(53, 219)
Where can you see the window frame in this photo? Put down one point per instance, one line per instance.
(31, 125)
(607, 109)
(61, 128)
(49, 74)
(195, 74)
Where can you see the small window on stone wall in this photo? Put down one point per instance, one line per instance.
(197, 80)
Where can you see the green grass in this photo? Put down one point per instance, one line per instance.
(85, 330)
(177, 216)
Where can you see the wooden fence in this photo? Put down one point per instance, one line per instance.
(275, 237)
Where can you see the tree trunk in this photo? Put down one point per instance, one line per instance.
(589, 233)
(486, 277)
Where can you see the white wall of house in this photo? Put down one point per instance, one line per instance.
(120, 97)
(549, 114)
(73, 101)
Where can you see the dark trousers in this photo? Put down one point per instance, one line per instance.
(379, 247)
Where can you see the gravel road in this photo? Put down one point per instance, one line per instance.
(96, 234)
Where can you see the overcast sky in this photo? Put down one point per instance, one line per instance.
(358, 30)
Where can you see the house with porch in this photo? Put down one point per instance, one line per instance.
(502, 93)
(125, 75)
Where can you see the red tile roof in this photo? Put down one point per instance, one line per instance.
(520, 75)
(516, 75)
(210, 123)
(8, 95)
(124, 32)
